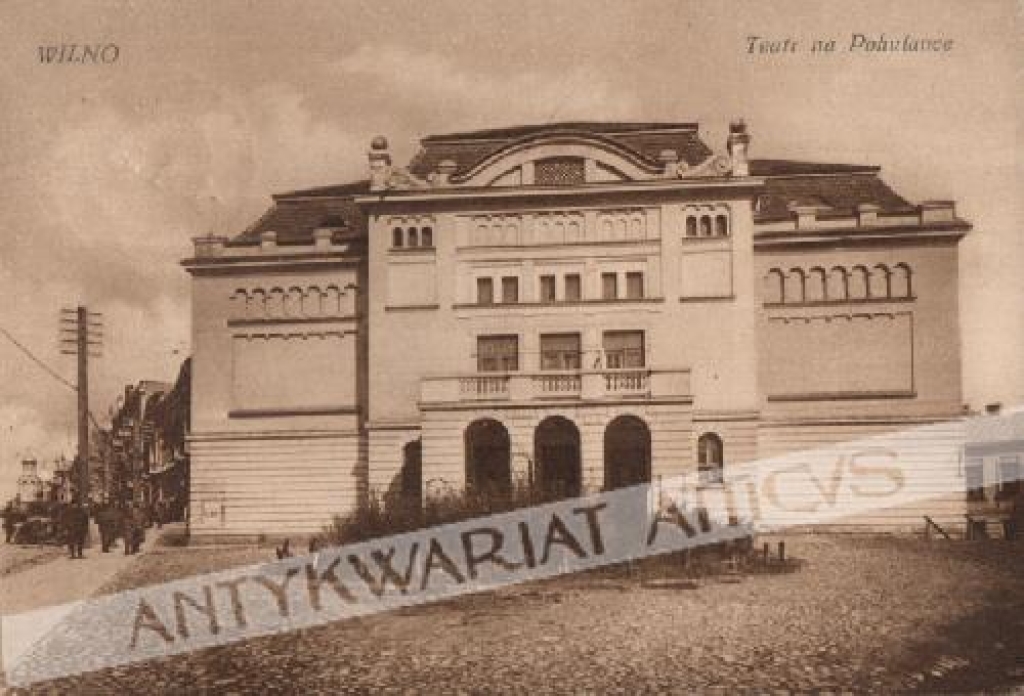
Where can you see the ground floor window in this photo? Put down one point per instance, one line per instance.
(627, 453)
(974, 479)
(558, 471)
(1009, 478)
(710, 458)
(488, 457)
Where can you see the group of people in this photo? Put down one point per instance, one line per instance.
(128, 523)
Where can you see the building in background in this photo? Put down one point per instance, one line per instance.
(30, 484)
(581, 306)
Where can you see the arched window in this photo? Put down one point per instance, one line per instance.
(816, 285)
(396, 237)
(427, 237)
(774, 287)
(705, 225)
(275, 303)
(413, 237)
(837, 284)
(901, 282)
(311, 303)
(691, 226)
(880, 281)
(859, 283)
(796, 286)
(710, 458)
(721, 226)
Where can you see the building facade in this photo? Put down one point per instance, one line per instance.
(579, 306)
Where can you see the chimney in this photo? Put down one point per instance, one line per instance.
(380, 163)
(268, 240)
(669, 163)
(445, 169)
(739, 139)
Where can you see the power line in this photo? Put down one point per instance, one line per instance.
(37, 361)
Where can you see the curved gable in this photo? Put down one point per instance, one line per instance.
(563, 159)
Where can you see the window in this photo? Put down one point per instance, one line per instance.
(691, 226)
(560, 351)
(427, 237)
(721, 226)
(609, 286)
(497, 353)
(484, 291)
(396, 237)
(1009, 478)
(710, 461)
(705, 226)
(573, 286)
(510, 290)
(547, 288)
(623, 349)
(974, 479)
(634, 285)
(413, 237)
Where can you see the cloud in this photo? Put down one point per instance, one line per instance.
(446, 92)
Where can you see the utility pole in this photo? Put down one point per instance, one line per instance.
(82, 335)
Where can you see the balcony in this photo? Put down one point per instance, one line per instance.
(571, 385)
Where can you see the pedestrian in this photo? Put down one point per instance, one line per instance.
(76, 527)
(106, 520)
(10, 523)
(128, 530)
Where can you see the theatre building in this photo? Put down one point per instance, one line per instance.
(576, 306)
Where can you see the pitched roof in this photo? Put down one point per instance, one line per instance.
(295, 215)
(645, 140)
(838, 188)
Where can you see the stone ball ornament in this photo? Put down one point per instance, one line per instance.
(379, 142)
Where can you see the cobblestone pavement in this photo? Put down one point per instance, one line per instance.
(861, 614)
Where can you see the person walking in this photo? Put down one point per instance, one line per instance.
(106, 520)
(76, 527)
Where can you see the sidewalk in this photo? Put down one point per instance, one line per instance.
(62, 579)
(35, 599)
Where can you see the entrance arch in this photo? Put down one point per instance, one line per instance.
(627, 453)
(558, 470)
(488, 461)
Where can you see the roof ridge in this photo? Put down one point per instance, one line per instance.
(602, 127)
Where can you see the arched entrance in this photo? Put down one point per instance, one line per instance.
(557, 463)
(627, 453)
(488, 466)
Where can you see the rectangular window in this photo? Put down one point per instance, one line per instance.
(573, 287)
(634, 286)
(510, 290)
(560, 351)
(1009, 478)
(547, 288)
(497, 353)
(623, 349)
(609, 286)
(974, 480)
(484, 291)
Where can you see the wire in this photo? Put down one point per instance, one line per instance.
(37, 361)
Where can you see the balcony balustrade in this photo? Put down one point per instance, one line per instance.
(638, 383)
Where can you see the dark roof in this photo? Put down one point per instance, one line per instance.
(295, 215)
(776, 167)
(645, 140)
(836, 188)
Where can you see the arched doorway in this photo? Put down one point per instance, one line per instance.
(558, 467)
(488, 466)
(627, 453)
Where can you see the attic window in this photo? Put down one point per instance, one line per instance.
(558, 171)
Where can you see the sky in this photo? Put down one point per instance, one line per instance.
(108, 170)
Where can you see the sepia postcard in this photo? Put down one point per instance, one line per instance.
(511, 347)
